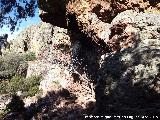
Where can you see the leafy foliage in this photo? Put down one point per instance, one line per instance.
(30, 56)
(14, 64)
(12, 11)
(9, 65)
(28, 86)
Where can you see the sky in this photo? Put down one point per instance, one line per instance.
(25, 23)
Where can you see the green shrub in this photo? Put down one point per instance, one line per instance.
(3, 85)
(2, 113)
(10, 63)
(28, 86)
(30, 56)
(15, 64)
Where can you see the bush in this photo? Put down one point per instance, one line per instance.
(30, 56)
(28, 86)
(10, 63)
(3, 113)
(15, 64)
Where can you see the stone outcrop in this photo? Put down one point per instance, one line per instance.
(80, 42)
(106, 54)
(124, 37)
(37, 38)
(91, 16)
(52, 46)
(129, 78)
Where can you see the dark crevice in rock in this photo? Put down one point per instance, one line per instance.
(153, 2)
(57, 21)
(25, 46)
(85, 52)
(105, 16)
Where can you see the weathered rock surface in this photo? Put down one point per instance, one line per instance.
(129, 74)
(129, 79)
(38, 38)
(52, 46)
(113, 44)
(90, 16)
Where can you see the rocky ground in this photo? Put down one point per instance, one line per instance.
(98, 58)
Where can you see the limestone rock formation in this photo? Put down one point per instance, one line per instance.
(52, 46)
(129, 79)
(93, 16)
(129, 36)
(38, 38)
(104, 54)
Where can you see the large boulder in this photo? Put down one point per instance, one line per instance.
(129, 79)
(128, 76)
(93, 17)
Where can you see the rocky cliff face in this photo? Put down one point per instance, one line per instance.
(107, 59)
(52, 46)
(92, 17)
(38, 37)
(127, 36)
(130, 77)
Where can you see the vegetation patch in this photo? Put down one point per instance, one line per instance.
(27, 86)
(3, 112)
(9, 64)
(13, 64)
(30, 56)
